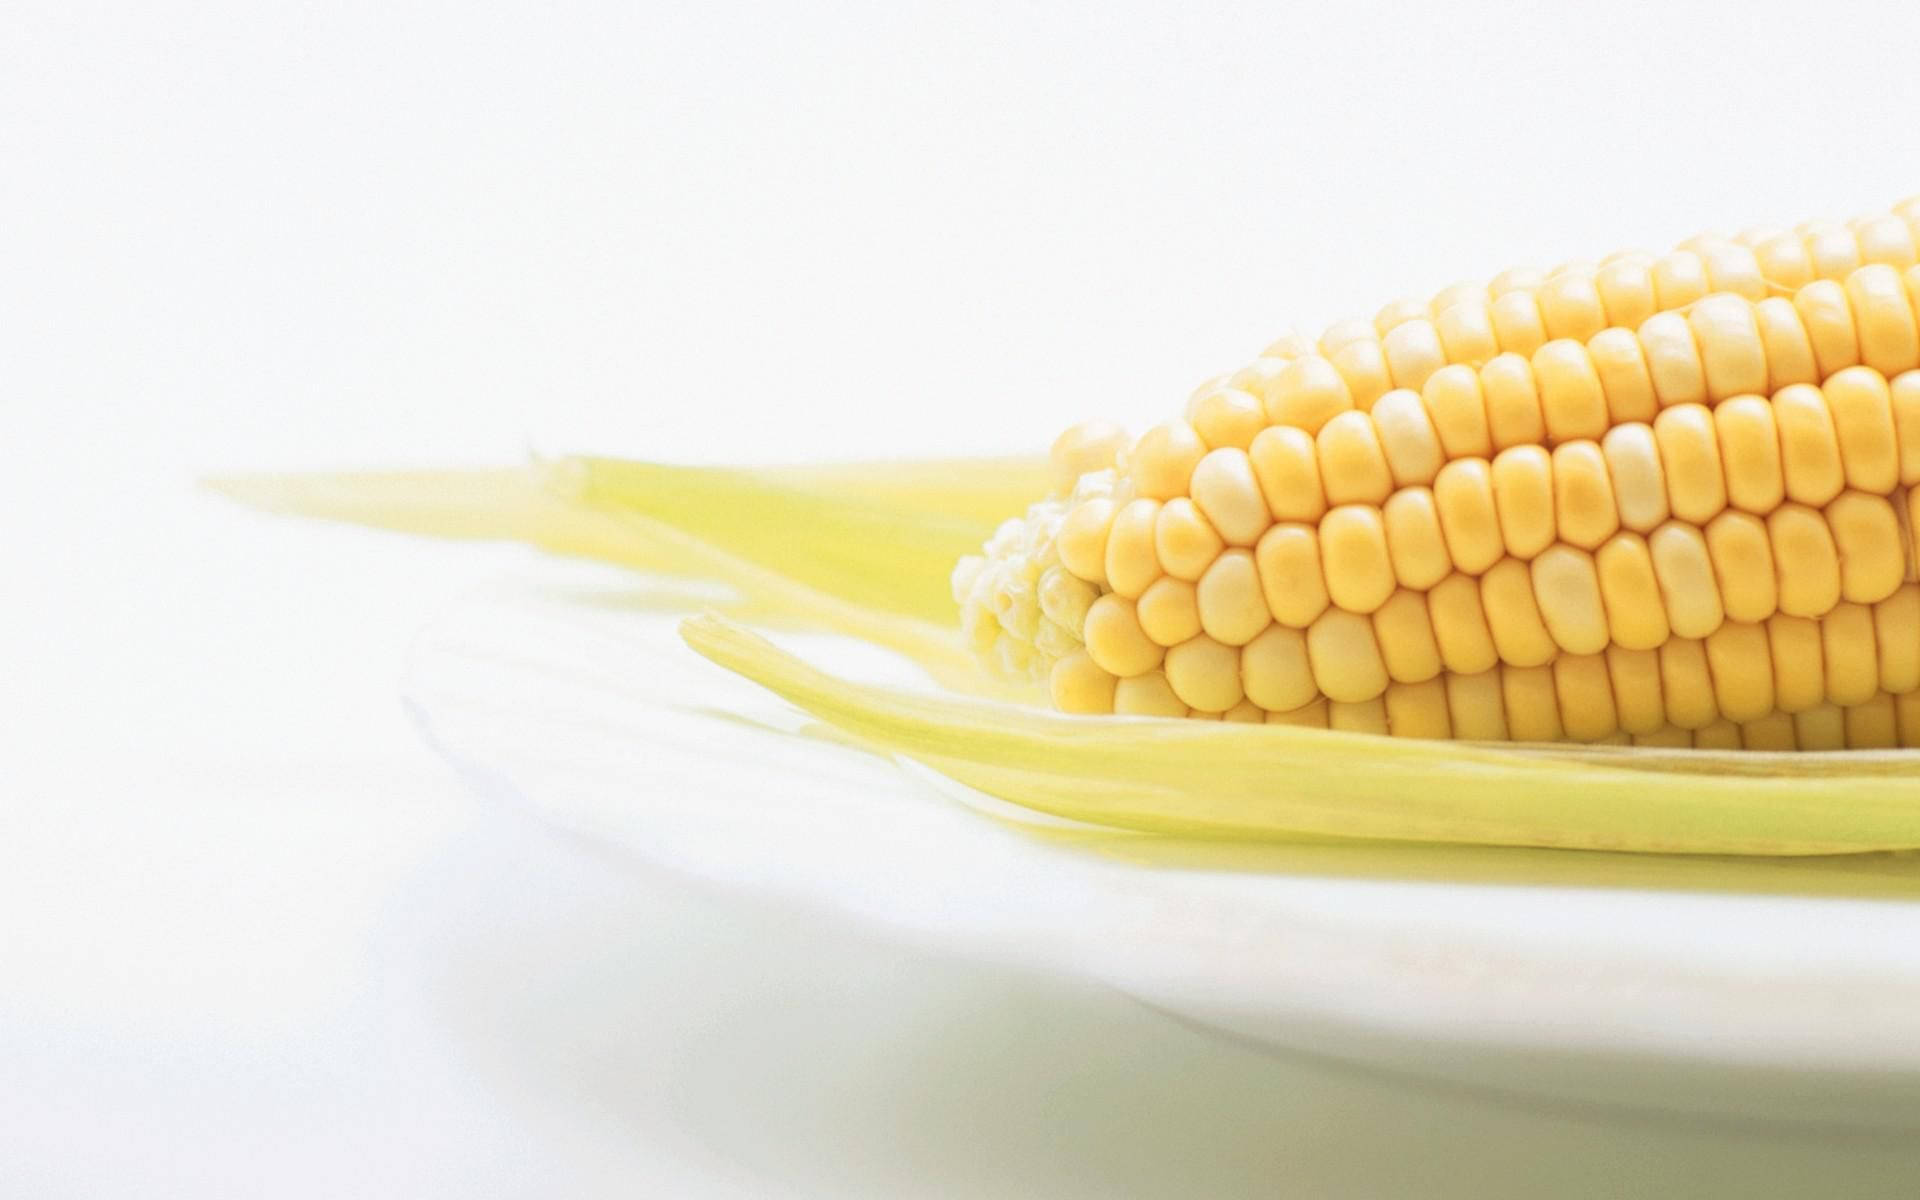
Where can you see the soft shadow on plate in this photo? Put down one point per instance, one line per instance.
(1777, 990)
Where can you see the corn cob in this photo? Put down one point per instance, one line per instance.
(1520, 310)
(1696, 531)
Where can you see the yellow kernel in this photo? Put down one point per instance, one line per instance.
(1079, 685)
(1742, 565)
(1275, 672)
(1690, 461)
(1907, 712)
(1512, 402)
(1115, 639)
(1227, 417)
(1169, 611)
(1517, 323)
(1533, 709)
(1626, 289)
(1822, 728)
(1772, 732)
(1087, 447)
(1872, 725)
(1870, 545)
(1475, 709)
(1365, 716)
(1721, 734)
(1685, 571)
(1860, 403)
(1895, 622)
(1286, 464)
(1624, 378)
(1750, 454)
(1354, 557)
(1667, 737)
(1363, 368)
(1523, 497)
(1257, 379)
(1673, 359)
(1345, 657)
(1245, 713)
(1398, 312)
(1288, 559)
(1852, 658)
(1065, 599)
(1185, 540)
(1567, 588)
(1784, 260)
(1418, 710)
(1639, 482)
(1585, 696)
(1163, 460)
(1809, 445)
(1407, 437)
(1342, 333)
(1353, 466)
(1470, 523)
(1828, 319)
(1413, 351)
(1834, 250)
(1460, 625)
(1130, 562)
(1312, 715)
(1147, 695)
(1686, 684)
(1516, 279)
(1732, 267)
(1886, 239)
(1405, 634)
(1205, 674)
(1414, 540)
(1799, 673)
(1790, 356)
(1466, 332)
(1634, 676)
(1904, 395)
(1227, 494)
(1082, 539)
(1805, 561)
(1571, 400)
(1571, 307)
(1458, 414)
(1679, 279)
(1232, 609)
(1731, 353)
(1883, 320)
(1742, 673)
(1308, 393)
(1513, 615)
(1583, 503)
(1636, 615)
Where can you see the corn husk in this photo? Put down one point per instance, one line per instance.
(865, 550)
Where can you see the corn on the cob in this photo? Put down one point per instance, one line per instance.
(1698, 530)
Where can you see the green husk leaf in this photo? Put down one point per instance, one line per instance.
(1205, 779)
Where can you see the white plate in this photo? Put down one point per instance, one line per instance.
(1775, 990)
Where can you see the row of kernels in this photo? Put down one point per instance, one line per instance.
(1172, 576)
(1740, 669)
(1806, 445)
(1722, 346)
(1618, 697)
(1627, 287)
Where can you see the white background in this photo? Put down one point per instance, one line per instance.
(255, 940)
